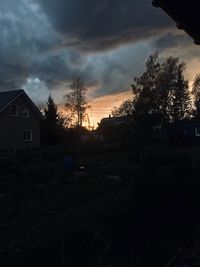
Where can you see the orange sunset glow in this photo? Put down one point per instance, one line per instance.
(101, 107)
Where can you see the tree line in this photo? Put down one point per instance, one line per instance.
(161, 95)
(55, 124)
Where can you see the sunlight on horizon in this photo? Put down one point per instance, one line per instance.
(100, 108)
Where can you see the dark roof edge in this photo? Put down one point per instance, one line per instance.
(33, 105)
(178, 18)
(15, 97)
(22, 92)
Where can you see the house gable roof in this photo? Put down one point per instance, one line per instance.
(6, 98)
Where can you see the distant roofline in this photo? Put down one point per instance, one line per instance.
(21, 91)
(16, 90)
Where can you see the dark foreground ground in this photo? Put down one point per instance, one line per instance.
(137, 207)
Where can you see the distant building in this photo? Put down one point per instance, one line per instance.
(113, 129)
(19, 121)
(115, 121)
(185, 133)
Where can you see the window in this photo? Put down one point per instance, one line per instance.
(25, 112)
(13, 110)
(27, 135)
(197, 131)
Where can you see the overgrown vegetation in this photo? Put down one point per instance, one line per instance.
(94, 209)
(38, 191)
(161, 96)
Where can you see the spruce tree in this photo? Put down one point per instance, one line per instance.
(51, 113)
(52, 127)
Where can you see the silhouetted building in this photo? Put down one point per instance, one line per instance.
(115, 121)
(185, 133)
(184, 13)
(114, 129)
(19, 121)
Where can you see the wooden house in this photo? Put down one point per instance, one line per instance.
(19, 121)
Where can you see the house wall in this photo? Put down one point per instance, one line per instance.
(11, 127)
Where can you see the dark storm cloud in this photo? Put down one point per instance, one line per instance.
(171, 40)
(20, 42)
(98, 25)
(58, 69)
(177, 44)
(30, 48)
(53, 42)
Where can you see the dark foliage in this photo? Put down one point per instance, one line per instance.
(52, 127)
(196, 95)
(161, 94)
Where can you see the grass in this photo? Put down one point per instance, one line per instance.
(38, 194)
(65, 203)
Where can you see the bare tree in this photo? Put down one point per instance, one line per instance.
(76, 101)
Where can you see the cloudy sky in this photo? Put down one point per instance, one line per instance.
(45, 44)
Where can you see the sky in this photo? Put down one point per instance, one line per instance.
(46, 44)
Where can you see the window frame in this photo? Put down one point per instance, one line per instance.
(27, 114)
(197, 131)
(31, 135)
(17, 113)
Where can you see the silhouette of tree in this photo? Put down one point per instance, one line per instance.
(147, 104)
(76, 101)
(196, 95)
(125, 109)
(54, 124)
(181, 103)
(51, 113)
(161, 94)
(167, 83)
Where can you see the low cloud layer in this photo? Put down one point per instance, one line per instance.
(46, 44)
(100, 25)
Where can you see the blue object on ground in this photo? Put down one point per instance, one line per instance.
(68, 164)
